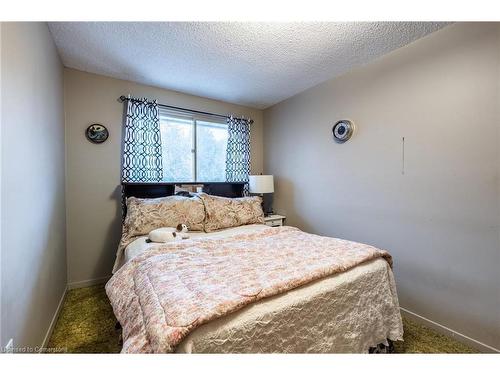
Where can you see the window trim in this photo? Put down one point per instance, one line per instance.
(165, 113)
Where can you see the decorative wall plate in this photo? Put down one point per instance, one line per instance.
(97, 133)
(342, 131)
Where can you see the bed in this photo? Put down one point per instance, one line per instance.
(284, 292)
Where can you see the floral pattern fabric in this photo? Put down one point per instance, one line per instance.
(224, 213)
(144, 215)
(162, 295)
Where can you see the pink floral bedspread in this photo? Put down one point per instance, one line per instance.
(163, 294)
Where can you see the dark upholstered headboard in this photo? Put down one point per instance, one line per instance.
(164, 189)
(157, 190)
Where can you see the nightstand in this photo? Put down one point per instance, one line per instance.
(275, 220)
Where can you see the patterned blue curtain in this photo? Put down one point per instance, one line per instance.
(238, 151)
(142, 159)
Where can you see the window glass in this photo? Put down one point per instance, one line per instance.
(177, 136)
(211, 146)
(193, 150)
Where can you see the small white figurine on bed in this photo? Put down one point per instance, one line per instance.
(168, 234)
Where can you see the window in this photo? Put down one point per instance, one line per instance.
(193, 148)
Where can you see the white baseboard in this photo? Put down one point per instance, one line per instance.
(85, 283)
(53, 321)
(482, 347)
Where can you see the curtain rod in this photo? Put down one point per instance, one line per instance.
(123, 98)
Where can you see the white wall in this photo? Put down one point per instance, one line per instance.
(93, 171)
(440, 220)
(33, 257)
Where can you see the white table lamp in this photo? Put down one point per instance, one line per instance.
(263, 184)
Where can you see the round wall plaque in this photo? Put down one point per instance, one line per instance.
(342, 130)
(97, 133)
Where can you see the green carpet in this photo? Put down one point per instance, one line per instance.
(87, 325)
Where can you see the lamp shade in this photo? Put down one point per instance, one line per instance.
(261, 184)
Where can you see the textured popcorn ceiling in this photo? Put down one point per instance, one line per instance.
(253, 64)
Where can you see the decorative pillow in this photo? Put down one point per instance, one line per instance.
(144, 215)
(231, 212)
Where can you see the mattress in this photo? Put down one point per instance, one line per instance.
(343, 313)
